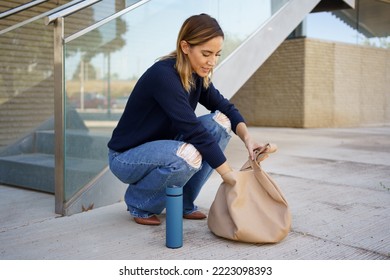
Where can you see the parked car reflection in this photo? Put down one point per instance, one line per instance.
(120, 102)
(91, 100)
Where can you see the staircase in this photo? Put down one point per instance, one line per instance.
(30, 162)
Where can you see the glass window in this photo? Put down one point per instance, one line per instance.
(350, 26)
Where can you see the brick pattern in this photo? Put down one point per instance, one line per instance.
(314, 83)
(273, 95)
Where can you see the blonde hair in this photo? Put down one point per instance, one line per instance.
(196, 30)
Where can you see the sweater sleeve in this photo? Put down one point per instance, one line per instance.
(213, 100)
(174, 101)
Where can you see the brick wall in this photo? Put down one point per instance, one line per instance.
(313, 83)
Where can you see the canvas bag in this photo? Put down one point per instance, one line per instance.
(254, 208)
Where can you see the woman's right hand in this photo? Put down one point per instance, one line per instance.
(226, 172)
(223, 168)
(229, 178)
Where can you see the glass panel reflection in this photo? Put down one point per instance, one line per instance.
(350, 26)
(94, 13)
(27, 107)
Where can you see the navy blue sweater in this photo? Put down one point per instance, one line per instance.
(159, 108)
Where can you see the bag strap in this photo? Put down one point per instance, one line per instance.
(260, 155)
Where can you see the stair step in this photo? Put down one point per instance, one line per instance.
(36, 171)
(89, 145)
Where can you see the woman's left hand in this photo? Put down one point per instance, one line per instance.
(252, 145)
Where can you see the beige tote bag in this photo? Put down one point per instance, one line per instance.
(252, 207)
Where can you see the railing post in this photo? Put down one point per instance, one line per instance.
(59, 115)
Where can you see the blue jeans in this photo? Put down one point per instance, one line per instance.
(153, 166)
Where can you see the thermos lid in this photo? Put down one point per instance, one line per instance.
(174, 190)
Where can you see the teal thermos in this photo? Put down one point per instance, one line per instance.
(174, 214)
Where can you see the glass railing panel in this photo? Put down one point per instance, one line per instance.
(160, 21)
(93, 14)
(240, 19)
(26, 80)
(103, 65)
(90, 86)
(27, 107)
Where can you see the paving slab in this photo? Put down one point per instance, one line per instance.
(337, 182)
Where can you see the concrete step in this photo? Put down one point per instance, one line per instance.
(36, 171)
(80, 143)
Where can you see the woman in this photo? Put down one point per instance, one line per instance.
(160, 142)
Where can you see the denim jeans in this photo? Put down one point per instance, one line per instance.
(153, 166)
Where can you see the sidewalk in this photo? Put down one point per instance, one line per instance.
(337, 182)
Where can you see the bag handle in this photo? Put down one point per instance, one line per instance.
(260, 155)
(263, 153)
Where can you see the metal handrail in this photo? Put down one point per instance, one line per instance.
(20, 24)
(105, 20)
(21, 8)
(70, 10)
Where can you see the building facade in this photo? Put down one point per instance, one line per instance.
(316, 83)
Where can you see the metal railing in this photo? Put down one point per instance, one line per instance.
(69, 10)
(21, 8)
(104, 21)
(25, 22)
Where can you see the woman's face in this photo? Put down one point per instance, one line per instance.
(203, 57)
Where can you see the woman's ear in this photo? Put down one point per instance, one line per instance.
(184, 46)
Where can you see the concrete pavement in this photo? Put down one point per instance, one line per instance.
(337, 182)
